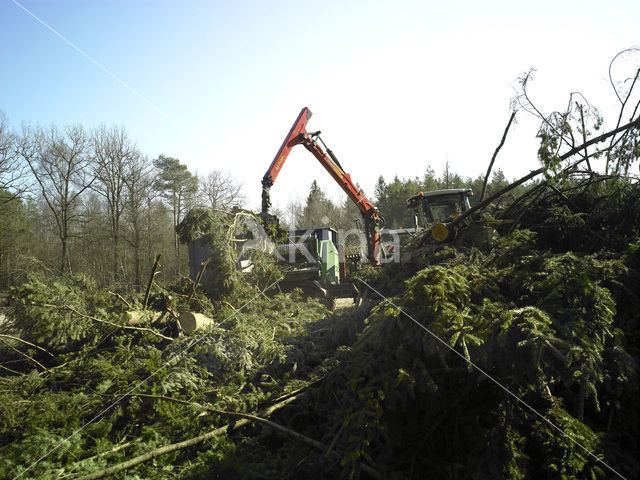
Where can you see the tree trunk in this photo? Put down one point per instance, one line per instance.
(141, 317)
(63, 260)
(191, 321)
(114, 274)
(583, 394)
(136, 258)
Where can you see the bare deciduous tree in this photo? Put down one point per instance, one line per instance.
(13, 171)
(112, 149)
(59, 161)
(220, 191)
(138, 182)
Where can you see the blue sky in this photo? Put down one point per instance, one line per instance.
(394, 86)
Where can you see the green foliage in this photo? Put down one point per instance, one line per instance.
(222, 277)
(16, 237)
(43, 312)
(439, 290)
(175, 180)
(541, 322)
(217, 233)
(595, 215)
(252, 357)
(196, 223)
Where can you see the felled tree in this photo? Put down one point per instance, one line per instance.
(214, 232)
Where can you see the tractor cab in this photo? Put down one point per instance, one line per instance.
(439, 205)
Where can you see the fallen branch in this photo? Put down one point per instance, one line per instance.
(180, 445)
(11, 370)
(27, 343)
(203, 266)
(121, 299)
(106, 322)
(154, 271)
(541, 170)
(229, 305)
(115, 449)
(245, 419)
(584, 135)
(23, 354)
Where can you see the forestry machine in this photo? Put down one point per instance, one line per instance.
(298, 135)
(434, 209)
(439, 215)
(322, 242)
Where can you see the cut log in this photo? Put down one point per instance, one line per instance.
(191, 321)
(142, 317)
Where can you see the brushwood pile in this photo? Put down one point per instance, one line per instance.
(464, 369)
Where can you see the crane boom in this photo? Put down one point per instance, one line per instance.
(299, 135)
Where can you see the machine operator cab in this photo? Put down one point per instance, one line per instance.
(439, 206)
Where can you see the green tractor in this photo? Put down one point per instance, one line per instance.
(439, 205)
(435, 216)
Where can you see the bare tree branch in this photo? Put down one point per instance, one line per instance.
(535, 173)
(495, 154)
(18, 339)
(59, 162)
(220, 190)
(23, 354)
(13, 172)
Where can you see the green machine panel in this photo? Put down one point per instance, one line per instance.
(330, 267)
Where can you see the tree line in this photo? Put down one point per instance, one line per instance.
(90, 201)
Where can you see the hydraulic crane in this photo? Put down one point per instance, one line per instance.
(311, 141)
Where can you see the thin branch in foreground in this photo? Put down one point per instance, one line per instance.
(23, 354)
(154, 272)
(11, 370)
(245, 419)
(203, 266)
(115, 449)
(27, 343)
(121, 298)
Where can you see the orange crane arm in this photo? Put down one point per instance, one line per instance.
(299, 135)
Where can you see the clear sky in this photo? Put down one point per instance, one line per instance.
(395, 87)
